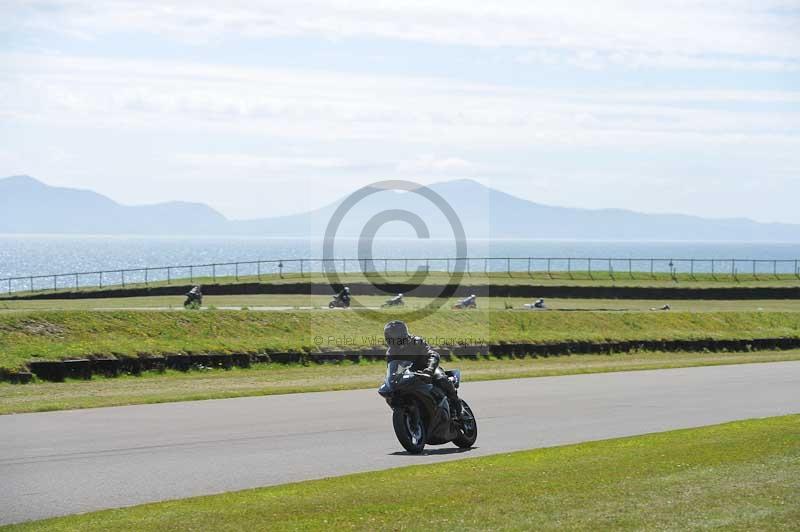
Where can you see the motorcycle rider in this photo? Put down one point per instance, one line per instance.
(404, 346)
(344, 296)
(195, 294)
(470, 301)
(396, 300)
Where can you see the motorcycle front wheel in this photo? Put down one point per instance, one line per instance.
(409, 428)
(468, 432)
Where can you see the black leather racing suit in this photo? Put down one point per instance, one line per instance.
(344, 296)
(424, 358)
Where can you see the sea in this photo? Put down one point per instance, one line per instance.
(23, 256)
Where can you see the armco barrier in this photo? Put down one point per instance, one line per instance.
(498, 290)
(58, 371)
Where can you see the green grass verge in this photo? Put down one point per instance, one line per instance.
(58, 334)
(260, 302)
(737, 476)
(269, 379)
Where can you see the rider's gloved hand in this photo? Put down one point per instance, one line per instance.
(426, 374)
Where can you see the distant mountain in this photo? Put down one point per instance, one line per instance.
(30, 206)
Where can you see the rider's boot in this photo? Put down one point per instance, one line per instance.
(455, 408)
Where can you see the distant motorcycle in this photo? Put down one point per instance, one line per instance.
(420, 411)
(396, 301)
(194, 298)
(469, 302)
(339, 302)
(538, 305)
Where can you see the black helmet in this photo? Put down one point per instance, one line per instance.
(395, 332)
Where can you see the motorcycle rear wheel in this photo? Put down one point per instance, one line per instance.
(409, 427)
(468, 432)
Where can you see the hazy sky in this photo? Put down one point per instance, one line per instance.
(272, 107)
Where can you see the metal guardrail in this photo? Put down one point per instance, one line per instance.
(545, 267)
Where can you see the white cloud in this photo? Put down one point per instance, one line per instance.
(231, 134)
(431, 164)
(262, 163)
(636, 60)
(669, 33)
(314, 105)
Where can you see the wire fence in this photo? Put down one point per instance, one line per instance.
(535, 267)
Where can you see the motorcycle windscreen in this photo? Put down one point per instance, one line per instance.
(395, 371)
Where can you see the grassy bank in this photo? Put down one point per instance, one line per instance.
(268, 379)
(59, 334)
(742, 476)
(303, 301)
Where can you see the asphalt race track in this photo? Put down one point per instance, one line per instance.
(71, 462)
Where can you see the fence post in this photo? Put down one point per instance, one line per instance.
(344, 265)
(302, 270)
(147, 276)
(191, 274)
(122, 274)
(214, 272)
(652, 270)
(775, 269)
(733, 269)
(529, 266)
(508, 266)
(258, 269)
(236, 271)
(569, 267)
(713, 272)
(55, 287)
(796, 271)
(611, 270)
(101, 279)
(447, 267)
(9, 286)
(76, 282)
(486, 266)
(755, 274)
(169, 275)
(590, 269)
(691, 269)
(549, 273)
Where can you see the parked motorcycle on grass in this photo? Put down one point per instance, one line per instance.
(421, 414)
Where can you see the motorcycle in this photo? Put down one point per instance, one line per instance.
(538, 305)
(420, 411)
(194, 299)
(465, 304)
(396, 301)
(338, 302)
